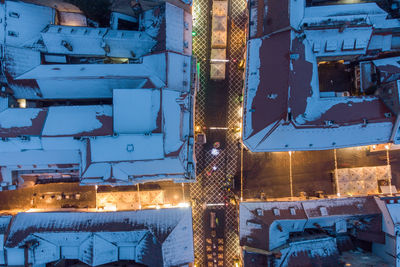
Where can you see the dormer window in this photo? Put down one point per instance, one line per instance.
(276, 211)
(12, 14)
(13, 33)
(259, 212)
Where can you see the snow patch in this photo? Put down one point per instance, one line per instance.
(10, 118)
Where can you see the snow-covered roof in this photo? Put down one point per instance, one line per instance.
(344, 10)
(283, 109)
(88, 80)
(357, 13)
(134, 171)
(88, 71)
(321, 251)
(77, 121)
(390, 208)
(17, 122)
(19, 60)
(40, 157)
(332, 42)
(98, 80)
(267, 225)
(394, 210)
(147, 133)
(144, 136)
(97, 41)
(96, 238)
(145, 148)
(127, 147)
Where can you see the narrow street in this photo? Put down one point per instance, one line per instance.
(217, 106)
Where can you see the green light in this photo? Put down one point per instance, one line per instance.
(194, 33)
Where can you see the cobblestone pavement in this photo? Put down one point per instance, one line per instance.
(209, 187)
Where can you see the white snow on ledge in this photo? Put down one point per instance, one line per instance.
(289, 138)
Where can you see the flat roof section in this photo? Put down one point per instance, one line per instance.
(135, 110)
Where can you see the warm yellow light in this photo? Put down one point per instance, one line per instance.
(386, 146)
(197, 128)
(35, 210)
(240, 111)
(183, 205)
(373, 146)
(110, 207)
(22, 103)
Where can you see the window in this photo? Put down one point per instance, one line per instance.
(324, 211)
(292, 211)
(127, 25)
(12, 33)
(12, 14)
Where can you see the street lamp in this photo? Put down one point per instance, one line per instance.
(215, 151)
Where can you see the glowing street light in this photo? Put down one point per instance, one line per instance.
(215, 151)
